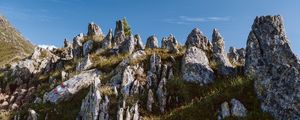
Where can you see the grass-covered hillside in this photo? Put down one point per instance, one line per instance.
(194, 101)
(13, 46)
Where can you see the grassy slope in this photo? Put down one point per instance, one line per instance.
(194, 101)
(13, 46)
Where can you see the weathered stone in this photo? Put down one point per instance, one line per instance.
(119, 36)
(155, 62)
(195, 67)
(87, 47)
(136, 115)
(104, 109)
(162, 94)
(70, 87)
(32, 115)
(131, 80)
(128, 45)
(150, 100)
(152, 42)
(197, 38)
(139, 43)
(225, 111)
(238, 109)
(107, 41)
(94, 29)
(84, 64)
(274, 67)
(219, 57)
(120, 114)
(67, 51)
(90, 106)
(170, 43)
(237, 56)
(77, 45)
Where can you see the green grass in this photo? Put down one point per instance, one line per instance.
(13, 46)
(204, 102)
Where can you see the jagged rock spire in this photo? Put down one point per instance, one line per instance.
(152, 42)
(119, 33)
(170, 43)
(274, 67)
(107, 41)
(94, 29)
(139, 42)
(218, 42)
(198, 39)
(195, 67)
(219, 57)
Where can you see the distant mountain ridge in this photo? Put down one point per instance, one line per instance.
(13, 46)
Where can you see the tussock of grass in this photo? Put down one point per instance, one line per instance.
(107, 63)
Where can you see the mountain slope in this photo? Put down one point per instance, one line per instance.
(13, 45)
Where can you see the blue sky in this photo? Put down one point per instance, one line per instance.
(50, 21)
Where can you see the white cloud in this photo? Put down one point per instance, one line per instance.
(49, 47)
(189, 20)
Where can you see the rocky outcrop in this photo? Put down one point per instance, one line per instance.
(32, 115)
(170, 43)
(162, 94)
(152, 42)
(197, 38)
(94, 29)
(70, 87)
(150, 100)
(195, 67)
(132, 80)
(67, 51)
(274, 67)
(128, 45)
(77, 45)
(237, 109)
(88, 47)
(84, 64)
(237, 56)
(139, 43)
(119, 36)
(107, 41)
(90, 106)
(219, 56)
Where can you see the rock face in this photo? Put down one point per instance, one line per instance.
(128, 45)
(225, 110)
(237, 56)
(94, 29)
(170, 43)
(107, 41)
(195, 67)
(197, 38)
(274, 67)
(139, 42)
(77, 45)
(119, 34)
(152, 42)
(90, 106)
(87, 47)
(84, 64)
(72, 86)
(219, 57)
(237, 109)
